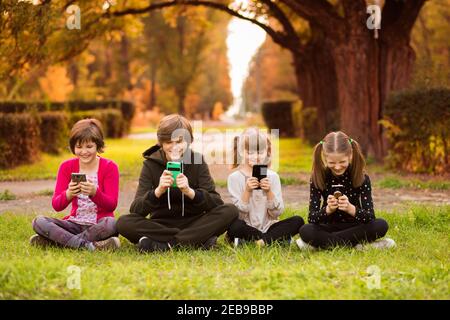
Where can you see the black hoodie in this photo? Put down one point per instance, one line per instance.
(145, 202)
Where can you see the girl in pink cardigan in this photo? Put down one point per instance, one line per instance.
(90, 224)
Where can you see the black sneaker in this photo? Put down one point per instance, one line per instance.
(210, 243)
(146, 244)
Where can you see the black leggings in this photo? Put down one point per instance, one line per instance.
(347, 234)
(281, 230)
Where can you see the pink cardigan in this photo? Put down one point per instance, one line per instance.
(107, 191)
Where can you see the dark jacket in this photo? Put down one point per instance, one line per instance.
(145, 202)
(360, 197)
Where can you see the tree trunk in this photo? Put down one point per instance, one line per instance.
(367, 70)
(181, 94)
(317, 85)
(125, 62)
(153, 70)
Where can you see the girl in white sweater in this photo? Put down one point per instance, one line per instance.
(260, 203)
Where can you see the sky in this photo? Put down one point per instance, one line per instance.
(243, 41)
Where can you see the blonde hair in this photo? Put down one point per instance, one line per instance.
(338, 142)
(252, 139)
(171, 123)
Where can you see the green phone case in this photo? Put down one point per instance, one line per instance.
(175, 168)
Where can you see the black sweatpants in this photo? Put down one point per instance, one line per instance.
(281, 230)
(345, 234)
(193, 230)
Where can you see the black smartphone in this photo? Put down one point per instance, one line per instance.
(337, 190)
(260, 172)
(78, 177)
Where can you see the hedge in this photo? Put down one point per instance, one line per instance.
(417, 124)
(19, 139)
(53, 131)
(126, 108)
(278, 115)
(112, 121)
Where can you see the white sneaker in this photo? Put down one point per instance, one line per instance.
(385, 243)
(304, 246)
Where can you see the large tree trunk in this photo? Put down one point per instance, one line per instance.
(317, 84)
(367, 71)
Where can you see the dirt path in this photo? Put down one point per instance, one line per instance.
(29, 201)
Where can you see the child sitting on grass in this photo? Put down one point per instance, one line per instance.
(260, 203)
(340, 208)
(90, 224)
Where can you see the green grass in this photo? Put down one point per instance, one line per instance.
(392, 182)
(295, 156)
(127, 153)
(417, 269)
(45, 192)
(7, 195)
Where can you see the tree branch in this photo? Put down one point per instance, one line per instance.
(277, 37)
(318, 12)
(398, 17)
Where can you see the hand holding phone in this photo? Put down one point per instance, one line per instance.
(78, 177)
(175, 169)
(259, 171)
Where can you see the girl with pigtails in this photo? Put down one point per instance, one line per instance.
(260, 202)
(341, 211)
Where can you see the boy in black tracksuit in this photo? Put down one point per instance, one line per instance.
(196, 217)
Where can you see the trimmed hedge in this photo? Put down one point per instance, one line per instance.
(126, 108)
(19, 139)
(53, 131)
(417, 124)
(278, 115)
(305, 122)
(111, 119)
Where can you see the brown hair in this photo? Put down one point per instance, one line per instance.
(171, 123)
(87, 130)
(251, 139)
(338, 142)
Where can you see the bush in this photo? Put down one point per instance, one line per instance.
(126, 108)
(111, 119)
(53, 131)
(417, 124)
(19, 139)
(278, 115)
(305, 123)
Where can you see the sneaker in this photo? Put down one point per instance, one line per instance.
(146, 244)
(304, 246)
(385, 243)
(112, 243)
(40, 241)
(260, 243)
(210, 243)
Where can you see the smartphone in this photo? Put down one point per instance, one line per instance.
(336, 188)
(260, 172)
(78, 177)
(175, 168)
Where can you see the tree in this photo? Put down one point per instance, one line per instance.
(340, 65)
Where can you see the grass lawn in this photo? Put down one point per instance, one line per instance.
(127, 153)
(295, 157)
(417, 269)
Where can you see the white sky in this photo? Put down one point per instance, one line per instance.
(244, 39)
